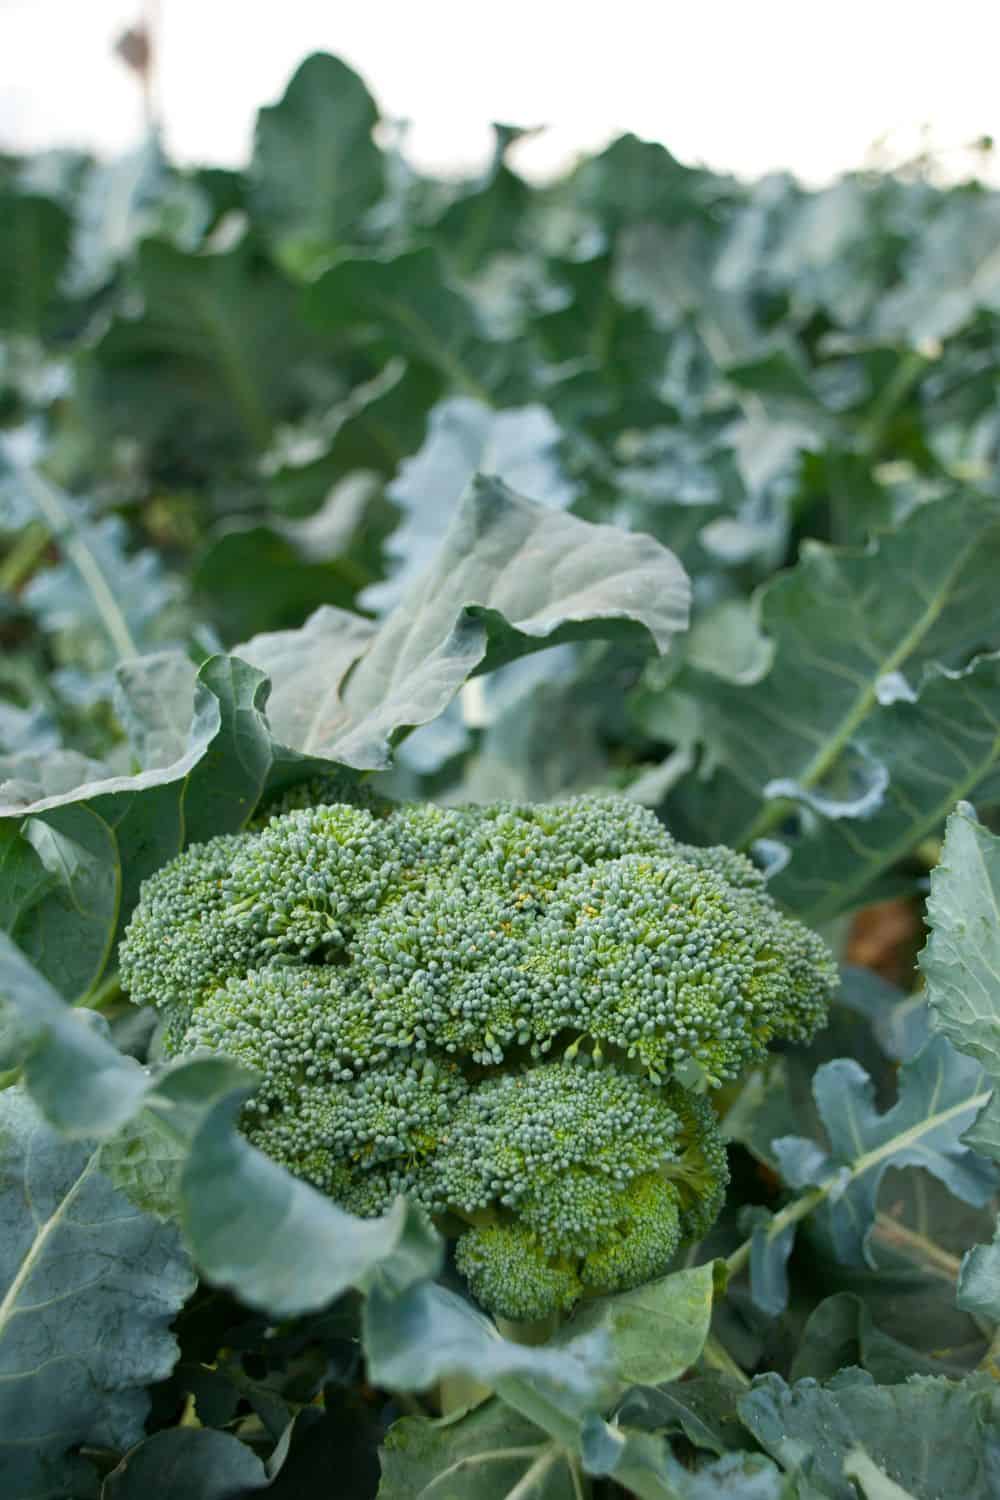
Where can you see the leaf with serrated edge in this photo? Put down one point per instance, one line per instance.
(934, 580)
(941, 747)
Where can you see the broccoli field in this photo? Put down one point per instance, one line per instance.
(499, 826)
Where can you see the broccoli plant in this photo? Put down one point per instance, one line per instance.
(510, 1013)
(386, 997)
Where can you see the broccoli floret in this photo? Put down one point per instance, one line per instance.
(493, 1009)
(582, 1162)
(509, 1272)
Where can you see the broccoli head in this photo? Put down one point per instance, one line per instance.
(512, 1013)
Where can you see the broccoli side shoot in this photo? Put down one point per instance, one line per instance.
(499, 1010)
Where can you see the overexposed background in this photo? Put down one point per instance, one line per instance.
(744, 88)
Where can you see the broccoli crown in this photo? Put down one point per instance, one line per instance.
(491, 1008)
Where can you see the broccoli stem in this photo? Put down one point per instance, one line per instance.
(459, 1392)
(539, 1331)
(455, 1393)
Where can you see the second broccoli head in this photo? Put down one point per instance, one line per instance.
(509, 1012)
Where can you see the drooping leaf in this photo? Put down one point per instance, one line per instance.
(509, 578)
(644, 1466)
(466, 438)
(80, 1082)
(100, 838)
(701, 1409)
(89, 1288)
(413, 1340)
(275, 1240)
(181, 1462)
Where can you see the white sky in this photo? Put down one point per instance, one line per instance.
(748, 86)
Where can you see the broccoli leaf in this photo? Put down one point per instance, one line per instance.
(794, 737)
(908, 1430)
(315, 168)
(81, 1083)
(283, 1246)
(510, 578)
(943, 746)
(89, 1288)
(961, 965)
(413, 308)
(940, 1094)
(34, 246)
(481, 1457)
(961, 962)
(100, 839)
(465, 438)
(181, 1462)
(211, 363)
(659, 1330)
(428, 1333)
(644, 1466)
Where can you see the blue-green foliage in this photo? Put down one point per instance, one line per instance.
(494, 1009)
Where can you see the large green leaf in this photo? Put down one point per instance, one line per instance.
(81, 1083)
(908, 1430)
(183, 1462)
(643, 1465)
(108, 601)
(315, 169)
(852, 631)
(657, 1331)
(961, 962)
(961, 965)
(34, 244)
(509, 578)
(952, 271)
(412, 1341)
(88, 1288)
(934, 751)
